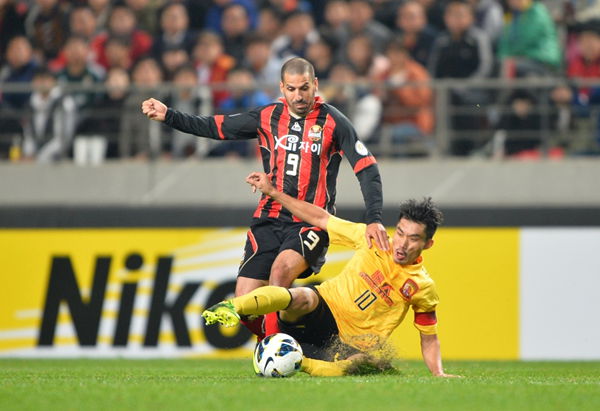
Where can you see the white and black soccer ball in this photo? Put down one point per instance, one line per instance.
(278, 355)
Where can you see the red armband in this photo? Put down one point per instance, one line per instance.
(426, 318)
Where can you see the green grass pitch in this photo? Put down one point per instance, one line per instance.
(203, 384)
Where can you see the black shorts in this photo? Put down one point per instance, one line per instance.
(318, 334)
(267, 238)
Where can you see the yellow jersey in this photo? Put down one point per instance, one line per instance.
(372, 294)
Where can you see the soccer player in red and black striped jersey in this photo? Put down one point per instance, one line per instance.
(301, 140)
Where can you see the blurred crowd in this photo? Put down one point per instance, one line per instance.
(73, 73)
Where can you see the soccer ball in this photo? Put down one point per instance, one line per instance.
(278, 355)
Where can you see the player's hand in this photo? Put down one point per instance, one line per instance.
(154, 109)
(260, 181)
(377, 232)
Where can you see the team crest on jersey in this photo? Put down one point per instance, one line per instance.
(409, 288)
(315, 133)
(296, 127)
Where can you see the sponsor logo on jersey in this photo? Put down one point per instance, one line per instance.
(296, 127)
(409, 288)
(379, 286)
(315, 133)
(290, 142)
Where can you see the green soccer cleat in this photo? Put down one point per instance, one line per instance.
(222, 313)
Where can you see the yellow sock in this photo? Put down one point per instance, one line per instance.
(262, 300)
(319, 368)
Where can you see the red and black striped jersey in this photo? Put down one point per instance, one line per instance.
(302, 154)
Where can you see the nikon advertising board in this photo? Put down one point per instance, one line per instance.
(140, 292)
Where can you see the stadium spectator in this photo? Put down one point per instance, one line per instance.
(320, 55)
(212, 64)
(102, 10)
(82, 23)
(171, 59)
(186, 98)
(122, 23)
(269, 23)
(80, 71)
(355, 99)
(175, 31)
(214, 16)
(584, 65)
(100, 132)
(489, 17)
(243, 96)
(146, 13)
(529, 43)
(12, 23)
(407, 99)
(303, 168)
(361, 22)
(260, 61)
(417, 36)
(47, 27)
(298, 33)
(332, 325)
(19, 68)
(236, 25)
(519, 128)
(140, 138)
(360, 54)
(118, 52)
(333, 30)
(462, 51)
(48, 120)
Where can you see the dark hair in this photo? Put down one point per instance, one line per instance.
(185, 68)
(296, 13)
(461, 2)
(298, 65)
(424, 212)
(256, 38)
(397, 45)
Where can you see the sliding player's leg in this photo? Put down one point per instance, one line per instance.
(293, 303)
(312, 324)
(255, 324)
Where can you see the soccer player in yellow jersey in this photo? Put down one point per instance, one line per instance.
(364, 303)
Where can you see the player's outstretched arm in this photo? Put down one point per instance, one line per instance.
(430, 348)
(154, 109)
(307, 212)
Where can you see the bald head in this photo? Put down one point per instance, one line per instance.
(298, 66)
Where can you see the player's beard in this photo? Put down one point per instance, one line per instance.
(304, 109)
